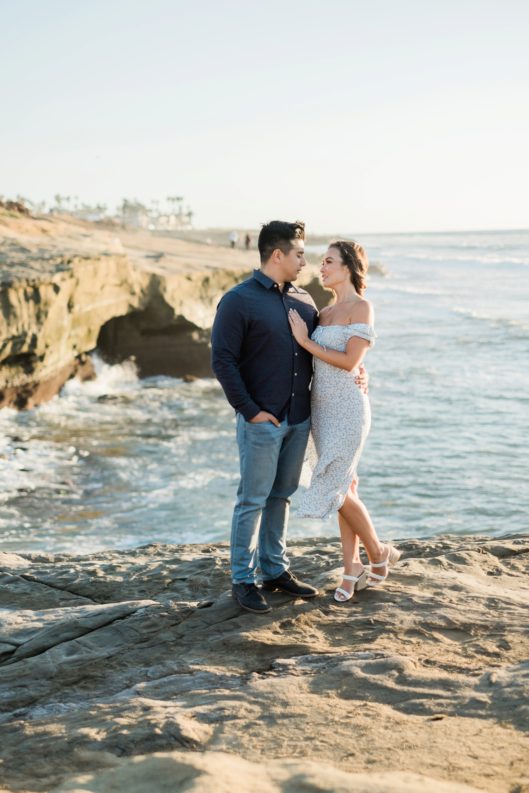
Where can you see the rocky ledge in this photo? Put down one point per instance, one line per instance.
(135, 670)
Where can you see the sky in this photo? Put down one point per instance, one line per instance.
(353, 116)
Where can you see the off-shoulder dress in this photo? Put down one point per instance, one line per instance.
(340, 423)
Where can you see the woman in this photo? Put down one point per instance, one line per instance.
(341, 416)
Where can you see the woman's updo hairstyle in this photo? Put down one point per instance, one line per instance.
(355, 259)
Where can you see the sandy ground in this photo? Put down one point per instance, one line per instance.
(127, 666)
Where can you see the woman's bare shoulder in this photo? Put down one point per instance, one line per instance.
(363, 311)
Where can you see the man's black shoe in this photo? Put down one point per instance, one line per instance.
(287, 582)
(250, 598)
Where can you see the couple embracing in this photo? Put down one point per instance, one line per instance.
(289, 372)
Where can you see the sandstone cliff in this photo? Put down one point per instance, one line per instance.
(136, 671)
(67, 287)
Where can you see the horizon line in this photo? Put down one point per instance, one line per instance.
(377, 233)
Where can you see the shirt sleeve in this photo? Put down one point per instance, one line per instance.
(227, 338)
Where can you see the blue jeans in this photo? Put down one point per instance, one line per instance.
(271, 459)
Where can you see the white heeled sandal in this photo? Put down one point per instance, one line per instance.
(375, 579)
(359, 583)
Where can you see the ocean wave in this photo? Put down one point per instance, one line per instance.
(27, 466)
(490, 319)
(411, 290)
(451, 257)
(109, 380)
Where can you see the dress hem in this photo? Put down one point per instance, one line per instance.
(338, 499)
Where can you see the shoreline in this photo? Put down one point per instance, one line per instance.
(332, 537)
(117, 661)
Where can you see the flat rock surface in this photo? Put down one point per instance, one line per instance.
(34, 246)
(135, 670)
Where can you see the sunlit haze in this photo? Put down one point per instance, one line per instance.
(353, 116)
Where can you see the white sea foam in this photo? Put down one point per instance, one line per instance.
(413, 290)
(449, 257)
(112, 380)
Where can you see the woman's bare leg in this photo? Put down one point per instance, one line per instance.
(357, 518)
(350, 548)
(350, 544)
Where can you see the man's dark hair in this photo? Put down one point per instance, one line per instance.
(279, 234)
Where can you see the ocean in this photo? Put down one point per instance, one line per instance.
(120, 462)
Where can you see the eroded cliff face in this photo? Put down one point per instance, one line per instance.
(169, 332)
(67, 287)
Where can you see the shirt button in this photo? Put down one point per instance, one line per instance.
(295, 374)
(295, 353)
(293, 395)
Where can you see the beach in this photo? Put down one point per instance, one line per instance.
(124, 661)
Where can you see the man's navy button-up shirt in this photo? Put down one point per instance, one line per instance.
(256, 359)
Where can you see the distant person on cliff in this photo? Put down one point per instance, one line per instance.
(341, 415)
(265, 376)
(233, 238)
(247, 242)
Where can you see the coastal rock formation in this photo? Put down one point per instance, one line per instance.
(126, 666)
(67, 287)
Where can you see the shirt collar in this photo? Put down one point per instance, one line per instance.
(267, 282)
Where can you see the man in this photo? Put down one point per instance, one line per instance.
(266, 375)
